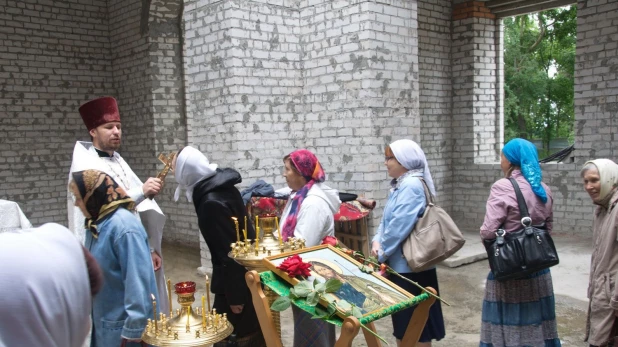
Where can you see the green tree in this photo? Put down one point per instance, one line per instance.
(539, 63)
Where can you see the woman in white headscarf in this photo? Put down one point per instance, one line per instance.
(216, 200)
(406, 163)
(600, 178)
(45, 291)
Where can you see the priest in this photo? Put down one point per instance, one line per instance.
(102, 119)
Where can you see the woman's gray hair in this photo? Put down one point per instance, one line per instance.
(587, 167)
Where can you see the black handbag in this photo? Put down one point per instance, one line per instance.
(523, 252)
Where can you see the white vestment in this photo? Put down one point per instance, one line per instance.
(11, 217)
(85, 157)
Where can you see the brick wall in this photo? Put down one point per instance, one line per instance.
(164, 32)
(436, 93)
(53, 56)
(596, 81)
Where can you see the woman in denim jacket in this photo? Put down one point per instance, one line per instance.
(118, 241)
(406, 163)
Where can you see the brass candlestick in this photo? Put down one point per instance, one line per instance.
(251, 255)
(186, 327)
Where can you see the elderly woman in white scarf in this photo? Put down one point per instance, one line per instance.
(45, 291)
(216, 199)
(406, 164)
(600, 178)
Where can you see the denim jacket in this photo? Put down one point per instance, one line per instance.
(405, 204)
(124, 304)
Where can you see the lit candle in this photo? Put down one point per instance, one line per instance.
(154, 306)
(278, 232)
(169, 295)
(208, 293)
(203, 311)
(237, 232)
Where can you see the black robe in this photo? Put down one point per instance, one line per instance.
(216, 201)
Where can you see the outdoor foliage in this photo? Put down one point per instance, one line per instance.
(539, 62)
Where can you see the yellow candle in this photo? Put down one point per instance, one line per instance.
(203, 311)
(169, 295)
(237, 232)
(208, 293)
(257, 234)
(244, 231)
(278, 231)
(188, 317)
(154, 307)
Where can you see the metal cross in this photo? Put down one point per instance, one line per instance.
(167, 160)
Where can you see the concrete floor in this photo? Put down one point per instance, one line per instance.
(462, 287)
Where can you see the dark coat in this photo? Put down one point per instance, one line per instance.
(216, 201)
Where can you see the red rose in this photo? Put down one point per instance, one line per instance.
(330, 240)
(295, 266)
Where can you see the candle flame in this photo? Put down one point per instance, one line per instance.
(152, 295)
(234, 218)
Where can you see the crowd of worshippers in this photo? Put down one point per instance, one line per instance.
(91, 284)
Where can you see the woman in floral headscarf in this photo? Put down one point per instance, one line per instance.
(308, 214)
(600, 178)
(519, 312)
(118, 241)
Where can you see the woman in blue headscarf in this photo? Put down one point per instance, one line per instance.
(519, 312)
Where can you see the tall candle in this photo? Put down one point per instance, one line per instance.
(237, 232)
(188, 317)
(244, 231)
(208, 293)
(257, 234)
(278, 231)
(203, 311)
(169, 296)
(154, 306)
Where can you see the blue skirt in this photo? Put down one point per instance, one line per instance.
(520, 312)
(434, 328)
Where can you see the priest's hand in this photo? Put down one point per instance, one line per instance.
(152, 187)
(236, 309)
(156, 260)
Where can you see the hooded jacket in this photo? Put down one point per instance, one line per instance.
(216, 201)
(316, 215)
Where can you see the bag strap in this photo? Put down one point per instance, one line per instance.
(428, 195)
(523, 208)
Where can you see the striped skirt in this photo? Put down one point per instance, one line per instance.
(520, 312)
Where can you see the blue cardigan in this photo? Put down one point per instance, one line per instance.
(403, 207)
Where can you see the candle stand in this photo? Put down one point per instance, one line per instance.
(187, 326)
(246, 254)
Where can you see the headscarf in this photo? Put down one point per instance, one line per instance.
(410, 155)
(608, 174)
(522, 153)
(192, 167)
(101, 195)
(309, 167)
(45, 295)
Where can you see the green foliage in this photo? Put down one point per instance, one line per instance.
(281, 304)
(539, 63)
